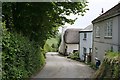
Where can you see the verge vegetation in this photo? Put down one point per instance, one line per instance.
(20, 57)
(110, 68)
(74, 56)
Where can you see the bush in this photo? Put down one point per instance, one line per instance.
(47, 48)
(110, 68)
(74, 56)
(20, 57)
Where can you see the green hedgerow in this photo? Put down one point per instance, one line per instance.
(20, 57)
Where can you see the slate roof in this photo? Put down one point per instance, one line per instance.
(87, 29)
(114, 11)
(71, 36)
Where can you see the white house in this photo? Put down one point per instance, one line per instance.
(70, 41)
(86, 37)
(106, 33)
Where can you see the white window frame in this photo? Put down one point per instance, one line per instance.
(97, 32)
(108, 29)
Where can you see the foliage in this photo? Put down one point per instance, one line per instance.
(39, 20)
(92, 65)
(20, 57)
(112, 55)
(47, 48)
(0, 51)
(52, 44)
(74, 56)
(29, 25)
(51, 41)
(58, 38)
(110, 68)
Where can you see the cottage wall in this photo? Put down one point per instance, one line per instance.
(85, 43)
(118, 31)
(102, 44)
(72, 47)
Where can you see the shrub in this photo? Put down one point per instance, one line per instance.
(110, 68)
(47, 48)
(20, 57)
(74, 55)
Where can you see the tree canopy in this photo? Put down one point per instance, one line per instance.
(29, 25)
(39, 20)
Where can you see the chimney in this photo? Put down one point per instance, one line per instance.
(102, 11)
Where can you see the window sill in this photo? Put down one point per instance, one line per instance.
(108, 37)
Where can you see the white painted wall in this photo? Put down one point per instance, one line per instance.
(62, 44)
(102, 47)
(85, 43)
(71, 47)
(103, 44)
(118, 33)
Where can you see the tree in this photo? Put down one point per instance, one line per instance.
(29, 24)
(39, 21)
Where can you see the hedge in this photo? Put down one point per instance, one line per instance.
(20, 57)
(110, 67)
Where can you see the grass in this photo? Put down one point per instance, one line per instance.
(112, 55)
(52, 41)
(92, 65)
(74, 56)
(51, 45)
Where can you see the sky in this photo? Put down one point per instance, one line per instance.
(95, 8)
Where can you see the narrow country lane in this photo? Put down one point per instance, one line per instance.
(61, 67)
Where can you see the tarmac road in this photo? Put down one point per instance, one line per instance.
(60, 67)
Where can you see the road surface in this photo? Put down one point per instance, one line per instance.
(61, 67)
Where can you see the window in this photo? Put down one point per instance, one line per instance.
(85, 36)
(90, 50)
(84, 53)
(84, 50)
(108, 29)
(96, 51)
(111, 48)
(97, 32)
(119, 49)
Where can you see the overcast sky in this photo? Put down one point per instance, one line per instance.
(95, 8)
